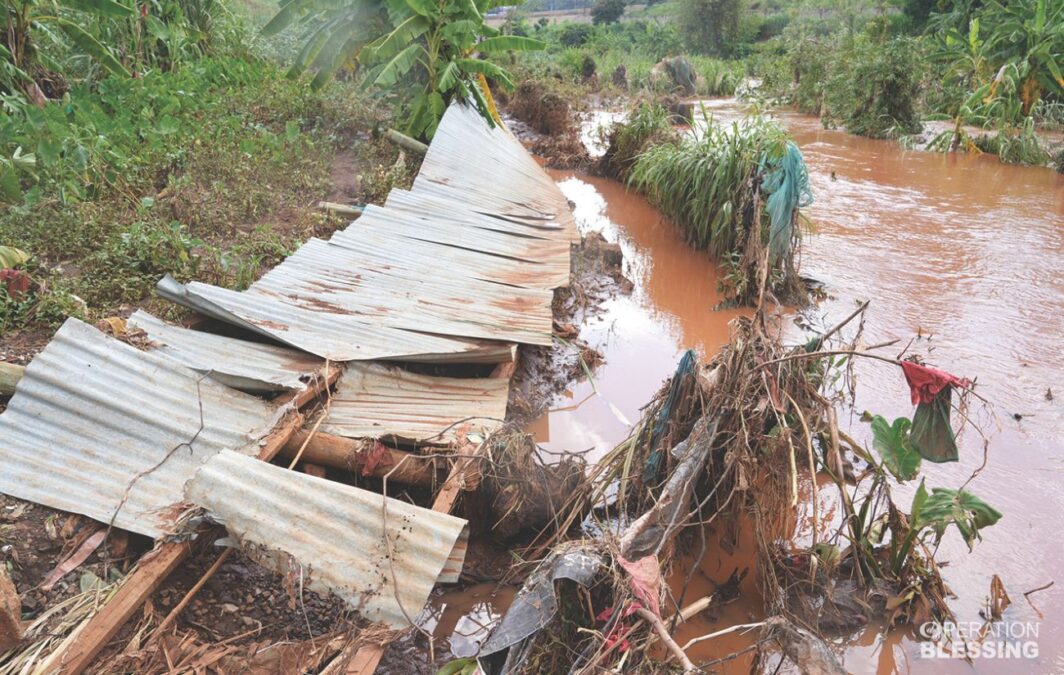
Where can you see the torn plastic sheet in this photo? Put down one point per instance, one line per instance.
(535, 606)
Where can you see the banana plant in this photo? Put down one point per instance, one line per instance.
(433, 44)
(20, 19)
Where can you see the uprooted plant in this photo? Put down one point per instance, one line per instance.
(732, 440)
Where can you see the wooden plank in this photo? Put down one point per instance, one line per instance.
(151, 571)
(10, 374)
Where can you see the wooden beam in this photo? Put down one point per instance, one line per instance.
(150, 573)
(404, 141)
(347, 453)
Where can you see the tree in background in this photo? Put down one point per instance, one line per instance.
(709, 26)
(607, 11)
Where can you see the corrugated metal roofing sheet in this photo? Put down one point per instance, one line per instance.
(97, 426)
(488, 168)
(337, 279)
(344, 538)
(250, 366)
(339, 337)
(375, 401)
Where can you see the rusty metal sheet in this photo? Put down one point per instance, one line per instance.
(460, 230)
(381, 245)
(339, 337)
(427, 202)
(338, 280)
(381, 555)
(244, 365)
(377, 401)
(489, 168)
(100, 428)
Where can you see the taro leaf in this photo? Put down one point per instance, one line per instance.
(12, 257)
(969, 513)
(891, 441)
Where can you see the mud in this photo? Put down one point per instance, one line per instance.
(543, 373)
(548, 126)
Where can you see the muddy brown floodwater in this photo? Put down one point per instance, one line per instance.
(960, 249)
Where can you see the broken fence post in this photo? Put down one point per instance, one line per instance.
(404, 141)
(10, 613)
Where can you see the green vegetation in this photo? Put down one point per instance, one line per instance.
(607, 11)
(208, 171)
(430, 45)
(709, 26)
(734, 191)
(638, 46)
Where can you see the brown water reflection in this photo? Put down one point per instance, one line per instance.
(960, 248)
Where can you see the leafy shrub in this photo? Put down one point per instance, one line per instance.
(873, 87)
(607, 11)
(709, 26)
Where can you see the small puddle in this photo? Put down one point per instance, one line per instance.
(959, 247)
(463, 618)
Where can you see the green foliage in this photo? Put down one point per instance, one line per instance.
(607, 11)
(709, 26)
(945, 507)
(873, 87)
(891, 441)
(210, 170)
(1007, 57)
(867, 83)
(711, 187)
(429, 45)
(646, 125)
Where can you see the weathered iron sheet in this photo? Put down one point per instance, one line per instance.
(489, 168)
(330, 335)
(249, 366)
(381, 555)
(101, 428)
(470, 254)
(381, 245)
(462, 231)
(376, 401)
(338, 280)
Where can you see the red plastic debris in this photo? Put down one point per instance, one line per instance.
(925, 383)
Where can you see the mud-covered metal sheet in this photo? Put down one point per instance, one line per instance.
(249, 366)
(488, 168)
(377, 401)
(314, 329)
(100, 428)
(381, 555)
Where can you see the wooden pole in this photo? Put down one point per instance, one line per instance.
(404, 141)
(10, 374)
(350, 454)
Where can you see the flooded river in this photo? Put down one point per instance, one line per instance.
(959, 249)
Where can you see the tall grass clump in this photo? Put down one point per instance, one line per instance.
(735, 191)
